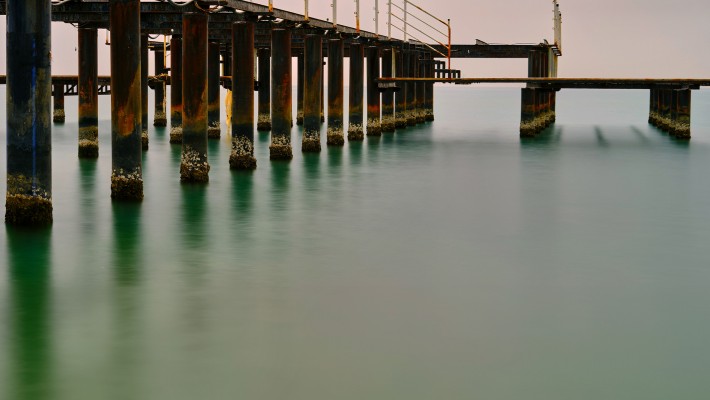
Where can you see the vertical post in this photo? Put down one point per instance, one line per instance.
(322, 92)
(264, 119)
(411, 89)
(355, 92)
(193, 163)
(665, 109)
(127, 174)
(176, 90)
(335, 136)
(281, 112)
(58, 93)
(429, 89)
(673, 112)
(213, 100)
(313, 61)
(389, 19)
(420, 88)
(374, 127)
(159, 118)
(652, 107)
(88, 94)
(144, 91)
(242, 114)
(400, 119)
(300, 60)
(527, 113)
(683, 121)
(29, 91)
(405, 21)
(377, 18)
(387, 95)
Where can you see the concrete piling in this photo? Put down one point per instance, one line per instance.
(88, 94)
(213, 87)
(58, 94)
(193, 163)
(682, 123)
(299, 88)
(374, 126)
(410, 106)
(281, 112)
(176, 90)
(242, 156)
(400, 116)
(387, 95)
(355, 92)
(528, 127)
(144, 91)
(652, 107)
(263, 122)
(313, 59)
(420, 89)
(29, 94)
(126, 157)
(159, 118)
(335, 135)
(429, 89)
(537, 105)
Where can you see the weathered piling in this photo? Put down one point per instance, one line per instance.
(159, 118)
(88, 94)
(673, 113)
(176, 90)
(144, 91)
(374, 126)
(537, 105)
(387, 95)
(263, 122)
(193, 163)
(410, 107)
(313, 60)
(213, 101)
(29, 94)
(682, 124)
(355, 92)
(652, 107)
(419, 87)
(281, 113)
(528, 127)
(300, 60)
(400, 116)
(429, 89)
(127, 175)
(664, 111)
(242, 156)
(58, 93)
(322, 92)
(335, 136)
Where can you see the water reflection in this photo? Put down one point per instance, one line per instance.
(194, 214)
(544, 140)
(639, 134)
(311, 169)
(373, 149)
(127, 251)
(355, 151)
(601, 140)
(87, 182)
(29, 261)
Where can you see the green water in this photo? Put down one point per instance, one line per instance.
(448, 261)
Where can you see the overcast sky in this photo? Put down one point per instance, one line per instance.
(601, 38)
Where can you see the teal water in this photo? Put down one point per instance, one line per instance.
(447, 261)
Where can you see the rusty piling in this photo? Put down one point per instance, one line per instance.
(419, 87)
(411, 88)
(242, 156)
(652, 107)
(400, 117)
(387, 95)
(264, 113)
(335, 136)
(313, 60)
(429, 89)
(29, 94)
(176, 90)
(682, 126)
(374, 126)
(159, 118)
(281, 113)
(88, 94)
(127, 175)
(300, 60)
(355, 92)
(144, 91)
(193, 163)
(58, 93)
(213, 101)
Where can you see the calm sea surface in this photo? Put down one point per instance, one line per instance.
(452, 260)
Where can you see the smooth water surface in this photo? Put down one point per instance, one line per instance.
(452, 260)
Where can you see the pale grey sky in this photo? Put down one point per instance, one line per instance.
(601, 38)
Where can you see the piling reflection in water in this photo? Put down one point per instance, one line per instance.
(29, 298)
(127, 240)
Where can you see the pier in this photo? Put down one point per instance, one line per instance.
(248, 47)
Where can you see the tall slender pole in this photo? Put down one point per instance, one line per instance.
(400, 118)
(193, 163)
(357, 72)
(388, 95)
(374, 127)
(377, 18)
(299, 88)
(58, 94)
(88, 94)
(357, 16)
(389, 19)
(242, 156)
(281, 112)
(126, 157)
(405, 21)
(335, 13)
(144, 91)
(29, 97)
(335, 135)
(159, 118)
(213, 88)
(176, 90)
(313, 60)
